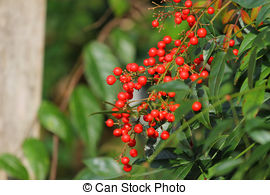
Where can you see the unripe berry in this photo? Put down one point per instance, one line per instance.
(197, 106)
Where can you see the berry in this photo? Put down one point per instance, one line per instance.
(127, 168)
(178, 20)
(125, 160)
(185, 11)
(171, 94)
(177, 43)
(150, 132)
(132, 143)
(169, 57)
(119, 103)
(111, 80)
(117, 132)
(117, 71)
(160, 52)
(170, 117)
(188, 3)
(191, 19)
(179, 61)
(133, 153)
(152, 52)
(211, 10)
(155, 23)
(184, 75)
(154, 113)
(142, 80)
(204, 74)
(165, 135)
(125, 138)
(167, 79)
(235, 52)
(177, 1)
(109, 123)
(202, 32)
(167, 39)
(210, 60)
(161, 44)
(138, 128)
(194, 41)
(160, 69)
(197, 106)
(231, 43)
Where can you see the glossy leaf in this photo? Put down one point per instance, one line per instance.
(217, 73)
(251, 66)
(251, 3)
(228, 16)
(255, 12)
(246, 43)
(260, 136)
(245, 17)
(123, 45)
(38, 157)
(13, 166)
(176, 85)
(52, 119)
(82, 103)
(99, 63)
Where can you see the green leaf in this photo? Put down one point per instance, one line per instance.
(13, 166)
(252, 101)
(208, 50)
(246, 43)
(83, 102)
(99, 63)
(54, 120)
(123, 45)
(264, 13)
(38, 157)
(261, 136)
(217, 73)
(119, 7)
(182, 171)
(176, 85)
(226, 166)
(251, 66)
(251, 3)
(103, 168)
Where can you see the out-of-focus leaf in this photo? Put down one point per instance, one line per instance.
(226, 166)
(103, 168)
(245, 17)
(54, 120)
(13, 166)
(83, 102)
(252, 101)
(243, 67)
(38, 157)
(228, 16)
(260, 136)
(237, 31)
(99, 63)
(217, 73)
(182, 171)
(251, 3)
(119, 7)
(251, 66)
(263, 14)
(123, 45)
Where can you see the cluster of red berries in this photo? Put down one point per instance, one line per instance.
(167, 62)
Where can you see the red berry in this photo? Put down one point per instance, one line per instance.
(211, 10)
(119, 103)
(210, 60)
(151, 71)
(134, 67)
(204, 74)
(125, 160)
(155, 23)
(197, 106)
(150, 131)
(231, 43)
(133, 153)
(191, 19)
(132, 143)
(185, 11)
(127, 168)
(151, 61)
(122, 96)
(188, 3)
(177, 1)
(161, 44)
(125, 138)
(142, 80)
(146, 62)
(171, 94)
(235, 52)
(167, 79)
(111, 80)
(152, 52)
(184, 75)
(178, 20)
(141, 69)
(165, 135)
(202, 32)
(169, 57)
(177, 43)
(160, 69)
(190, 34)
(167, 39)
(194, 41)
(179, 61)
(160, 52)
(177, 14)
(109, 123)
(170, 117)
(117, 71)
(138, 128)
(117, 132)
(154, 113)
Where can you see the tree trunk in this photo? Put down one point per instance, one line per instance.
(21, 62)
